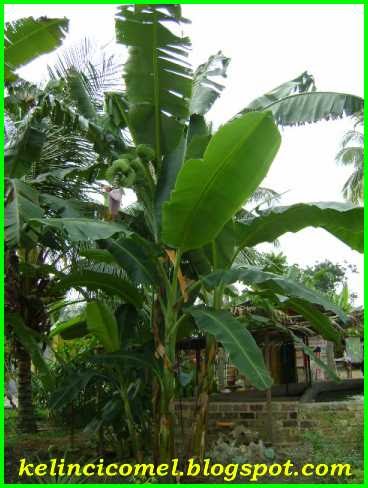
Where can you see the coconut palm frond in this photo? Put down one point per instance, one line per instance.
(352, 136)
(264, 196)
(64, 157)
(353, 189)
(352, 153)
(88, 73)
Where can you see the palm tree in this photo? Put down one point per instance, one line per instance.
(47, 171)
(351, 153)
(22, 142)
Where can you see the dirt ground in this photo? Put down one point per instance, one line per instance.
(50, 439)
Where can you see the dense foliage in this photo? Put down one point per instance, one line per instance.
(163, 268)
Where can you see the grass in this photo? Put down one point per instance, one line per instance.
(324, 450)
(316, 449)
(47, 435)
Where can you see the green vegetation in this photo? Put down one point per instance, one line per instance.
(98, 295)
(328, 451)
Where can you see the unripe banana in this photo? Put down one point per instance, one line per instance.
(130, 179)
(145, 152)
(136, 164)
(121, 164)
(117, 171)
(128, 156)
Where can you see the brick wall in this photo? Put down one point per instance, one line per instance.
(290, 420)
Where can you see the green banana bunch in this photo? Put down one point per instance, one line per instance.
(130, 169)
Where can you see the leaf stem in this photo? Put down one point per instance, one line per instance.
(156, 87)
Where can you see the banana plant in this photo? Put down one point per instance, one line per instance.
(113, 366)
(102, 323)
(192, 186)
(28, 38)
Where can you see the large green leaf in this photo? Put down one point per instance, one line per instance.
(68, 207)
(24, 146)
(29, 342)
(99, 321)
(307, 108)
(131, 360)
(136, 256)
(343, 220)
(301, 84)
(220, 251)
(197, 146)
(22, 205)
(237, 341)
(127, 320)
(199, 263)
(27, 38)
(277, 284)
(318, 320)
(108, 283)
(102, 323)
(65, 394)
(206, 86)
(81, 229)
(73, 328)
(199, 135)
(309, 352)
(98, 256)
(223, 246)
(157, 77)
(208, 192)
(171, 166)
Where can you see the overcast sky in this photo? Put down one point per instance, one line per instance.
(268, 45)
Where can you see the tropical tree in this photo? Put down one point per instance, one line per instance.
(330, 279)
(352, 153)
(43, 164)
(179, 245)
(118, 370)
(25, 39)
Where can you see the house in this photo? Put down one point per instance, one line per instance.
(286, 338)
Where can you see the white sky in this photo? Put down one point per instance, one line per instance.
(268, 45)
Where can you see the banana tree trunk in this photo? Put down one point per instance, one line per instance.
(156, 393)
(167, 417)
(134, 436)
(198, 438)
(163, 395)
(26, 421)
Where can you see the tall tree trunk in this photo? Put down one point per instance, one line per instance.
(167, 414)
(26, 421)
(163, 393)
(156, 393)
(198, 439)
